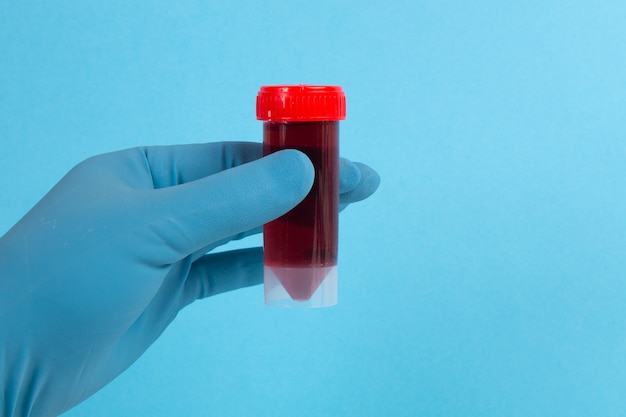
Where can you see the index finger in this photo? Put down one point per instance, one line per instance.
(180, 164)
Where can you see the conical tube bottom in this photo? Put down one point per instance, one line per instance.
(303, 287)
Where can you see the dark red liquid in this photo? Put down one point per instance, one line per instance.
(307, 235)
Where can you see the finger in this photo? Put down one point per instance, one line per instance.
(369, 181)
(221, 272)
(180, 164)
(194, 215)
(349, 175)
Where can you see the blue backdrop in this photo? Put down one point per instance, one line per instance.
(487, 276)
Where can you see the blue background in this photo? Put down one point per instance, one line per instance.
(487, 276)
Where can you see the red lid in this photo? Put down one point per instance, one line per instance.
(300, 103)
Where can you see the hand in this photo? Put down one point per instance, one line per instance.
(95, 272)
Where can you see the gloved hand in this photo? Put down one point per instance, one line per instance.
(94, 273)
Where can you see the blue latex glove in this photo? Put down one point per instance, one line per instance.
(94, 273)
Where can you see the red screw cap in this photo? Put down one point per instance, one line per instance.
(300, 103)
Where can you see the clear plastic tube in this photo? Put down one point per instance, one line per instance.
(301, 246)
(300, 258)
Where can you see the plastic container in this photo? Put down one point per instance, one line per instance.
(300, 248)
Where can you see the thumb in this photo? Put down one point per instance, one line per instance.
(196, 214)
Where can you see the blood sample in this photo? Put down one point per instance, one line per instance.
(300, 247)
